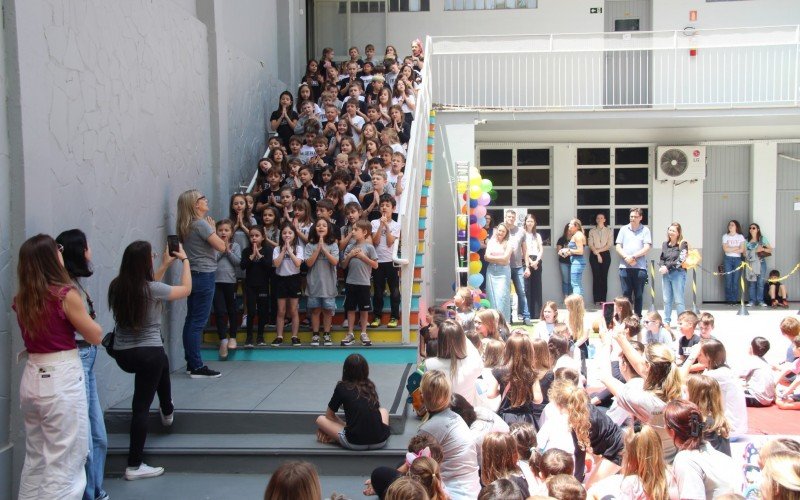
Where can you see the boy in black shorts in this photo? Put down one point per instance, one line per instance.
(360, 259)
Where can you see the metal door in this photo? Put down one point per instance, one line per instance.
(627, 72)
(787, 239)
(726, 196)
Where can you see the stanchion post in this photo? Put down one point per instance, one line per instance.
(742, 306)
(652, 287)
(694, 292)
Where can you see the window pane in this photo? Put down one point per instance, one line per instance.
(498, 177)
(425, 5)
(540, 177)
(363, 6)
(635, 196)
(587, 216)
(538, 157)
(632, 176)
(495, 157)
(504, 198)
(621, 215)
(533, 197)
(594, 176)
(631, 156)
(547, 237)
(594, 197)
(497, 215)
(403, 5)
(594, 156)
(542, 216)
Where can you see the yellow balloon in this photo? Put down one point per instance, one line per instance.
(475, 181)
(461, 187)
(474, 172)
(462, 222)
(475, 267)
(475, 192)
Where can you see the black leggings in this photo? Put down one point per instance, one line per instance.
(151, 368)
(600, 275)
(257, 301)
(533, 290)
(225, 309)
(386, 273)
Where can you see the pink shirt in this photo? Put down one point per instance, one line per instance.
(58, 333)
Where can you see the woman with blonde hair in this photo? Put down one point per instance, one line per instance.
(51, 390)
(500, 457)
(644, 474)
(457, 358)
(592, 430)
(498, 270)
(196, 230)
(576, 252)
(662, 383)
(781, 477)
(577, 327)
(460, 464)
(705, 392)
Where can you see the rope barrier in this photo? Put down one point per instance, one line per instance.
(782, 278)
(652, 286)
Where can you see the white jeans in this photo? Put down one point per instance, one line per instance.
(52, 397)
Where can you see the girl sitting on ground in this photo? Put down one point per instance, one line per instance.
(704, 391)
(499, 460)
(550, 463)
(366, 424)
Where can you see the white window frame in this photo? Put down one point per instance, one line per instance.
(468, 5)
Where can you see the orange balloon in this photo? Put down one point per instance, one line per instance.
(473, 257)
(464, 209)
(483, 234)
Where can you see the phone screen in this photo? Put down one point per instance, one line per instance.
(608, 313)
(172, 243)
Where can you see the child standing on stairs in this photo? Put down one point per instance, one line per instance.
(366, 424)
(256, 267)
(225, 288)
(384, 232)
(359, 259)
(322, 257)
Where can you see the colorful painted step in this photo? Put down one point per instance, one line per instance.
(379, 335)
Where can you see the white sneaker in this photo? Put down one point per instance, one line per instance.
(144, 471)
(345, 323)
(166, 420)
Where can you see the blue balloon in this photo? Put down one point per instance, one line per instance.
(473, 203)
(481, 221)
(474, 245)
(475, 280)
(473, 219)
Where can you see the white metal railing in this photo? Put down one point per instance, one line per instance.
(408, 212)
(719, 68)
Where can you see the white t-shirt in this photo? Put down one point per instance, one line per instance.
(469, 369)
(628, 488)
(733, 241)
(543, 330)
(383, 250)
(487, 421)
(733, 397)
(759, 380)
(704, 473)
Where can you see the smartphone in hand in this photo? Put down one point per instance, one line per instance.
(173, 244)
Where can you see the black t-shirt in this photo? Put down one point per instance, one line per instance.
(364, 424)
(685, 345)
(502, 375)
(314, 195)
(284, 131)
(256, 271)
(605, 437)
(563, 242)
(263, 197)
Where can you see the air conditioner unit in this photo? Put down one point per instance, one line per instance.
(680, 163)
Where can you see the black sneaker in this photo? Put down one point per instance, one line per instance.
(262, 342)
(278, 341)
(326, 339)
(349, 340)
(204, 372)
(315, 339)
(296, 342)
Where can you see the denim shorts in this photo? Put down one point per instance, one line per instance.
(328, 303)
(359, 447)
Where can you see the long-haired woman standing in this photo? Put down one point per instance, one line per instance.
(51, 390)
(136, 298)
(533, 264)
(77, 260)
(196, 231)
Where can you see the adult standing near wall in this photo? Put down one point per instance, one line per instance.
(633, 243)
(519, 252)
(51, 391)
(136, 298)
(600, 241)
(533, 264)
(563, 262)
(196, 231)
(757, 249)
(576, 251)
(733, 245)
(498, 270)
(673, 275)
(78, 263)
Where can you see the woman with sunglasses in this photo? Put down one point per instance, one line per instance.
(757, 249)
(78, 262)
(52, 392)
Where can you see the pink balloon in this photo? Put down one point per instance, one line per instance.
(479, 211)
(484, 199)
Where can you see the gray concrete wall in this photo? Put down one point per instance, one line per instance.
(115, 108)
